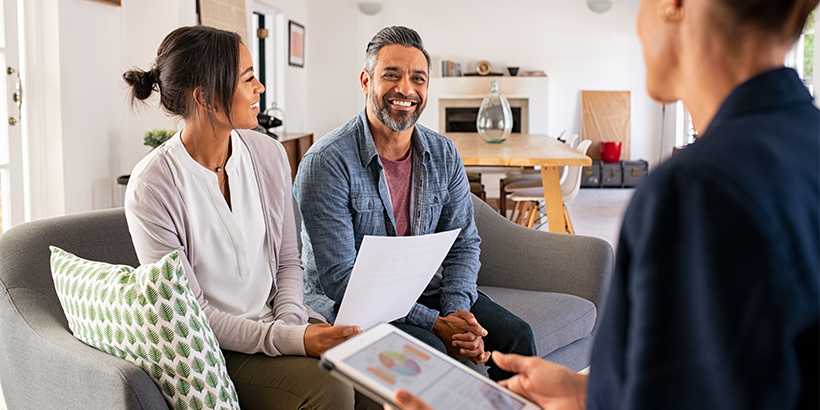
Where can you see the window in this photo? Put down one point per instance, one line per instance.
(264, 56)
(801, 58)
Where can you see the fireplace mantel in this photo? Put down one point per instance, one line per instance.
(534, 89)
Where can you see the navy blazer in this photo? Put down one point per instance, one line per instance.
(715, 301)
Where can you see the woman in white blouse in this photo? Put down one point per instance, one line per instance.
(221, 195)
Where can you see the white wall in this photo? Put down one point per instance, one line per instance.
(578, 49)
(101, 138)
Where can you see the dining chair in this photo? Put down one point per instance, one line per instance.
(527, 200)
(526, 178)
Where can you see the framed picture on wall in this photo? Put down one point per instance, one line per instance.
(296, 44)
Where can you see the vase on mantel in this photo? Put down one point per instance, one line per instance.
(494, 122)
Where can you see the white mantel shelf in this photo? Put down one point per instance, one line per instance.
(535, 89)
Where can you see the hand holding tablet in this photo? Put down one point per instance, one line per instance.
(384, 359)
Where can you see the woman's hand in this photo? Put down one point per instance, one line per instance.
(549, 385)
(323, 336)
(407, 401)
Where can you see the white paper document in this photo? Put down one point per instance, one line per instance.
(389, 274)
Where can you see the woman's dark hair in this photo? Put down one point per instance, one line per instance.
(786, 17)
(191, 57)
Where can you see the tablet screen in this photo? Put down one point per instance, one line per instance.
(396, 362)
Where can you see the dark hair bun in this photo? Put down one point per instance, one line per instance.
(141, 82)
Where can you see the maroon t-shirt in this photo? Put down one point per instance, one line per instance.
(399, 179)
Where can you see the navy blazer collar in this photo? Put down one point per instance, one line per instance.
(779, 88)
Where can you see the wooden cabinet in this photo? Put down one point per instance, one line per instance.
(296, 145)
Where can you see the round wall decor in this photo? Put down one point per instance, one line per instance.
(483, 67)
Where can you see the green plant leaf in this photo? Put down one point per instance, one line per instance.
(180, 405)
(196, 403)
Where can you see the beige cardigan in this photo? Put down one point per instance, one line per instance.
(158, 222)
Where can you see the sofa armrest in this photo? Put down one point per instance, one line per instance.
(513, 256)
(44, 366)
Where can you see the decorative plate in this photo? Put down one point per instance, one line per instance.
(483, 67)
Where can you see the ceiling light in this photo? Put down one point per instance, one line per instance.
(599, 6)
(370, 8)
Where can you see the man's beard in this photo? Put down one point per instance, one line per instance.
(402, 120)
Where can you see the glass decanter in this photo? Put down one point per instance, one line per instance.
(494, 121)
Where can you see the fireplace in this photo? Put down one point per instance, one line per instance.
(459, 114)
(526, 95)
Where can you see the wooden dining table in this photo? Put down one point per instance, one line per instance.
(526, 150)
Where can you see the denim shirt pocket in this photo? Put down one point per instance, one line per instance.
(435, 203)
(368, 215)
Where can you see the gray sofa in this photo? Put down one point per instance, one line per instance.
(553, 281)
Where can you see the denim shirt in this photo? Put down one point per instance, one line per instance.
(343, 195)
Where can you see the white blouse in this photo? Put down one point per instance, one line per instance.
(232, 262)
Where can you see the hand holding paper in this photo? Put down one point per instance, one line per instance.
(389, 275)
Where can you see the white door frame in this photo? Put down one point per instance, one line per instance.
(12, 149)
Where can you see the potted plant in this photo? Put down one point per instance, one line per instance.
(156, 137)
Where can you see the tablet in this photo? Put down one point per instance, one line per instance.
(384, 358)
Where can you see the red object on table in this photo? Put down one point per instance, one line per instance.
(610, 151)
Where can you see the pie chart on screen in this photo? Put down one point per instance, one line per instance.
(399, 363)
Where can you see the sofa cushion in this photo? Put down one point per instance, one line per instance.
(150, 317)
(556, 319)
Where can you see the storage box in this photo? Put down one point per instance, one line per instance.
(633, 171)
(591, 175)
(611, 175)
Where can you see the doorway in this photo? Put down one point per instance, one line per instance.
(12, 192)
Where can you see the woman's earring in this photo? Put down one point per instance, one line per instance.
(670, 14)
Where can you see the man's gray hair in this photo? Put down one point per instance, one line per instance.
(389, 36)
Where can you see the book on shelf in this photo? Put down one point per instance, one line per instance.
(450, 69)
(535, 73)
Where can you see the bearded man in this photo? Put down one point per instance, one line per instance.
(382, 174)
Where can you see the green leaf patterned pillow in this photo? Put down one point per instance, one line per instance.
(148, 316)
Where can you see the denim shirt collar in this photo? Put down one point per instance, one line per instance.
(421, 157)
(367, 148)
